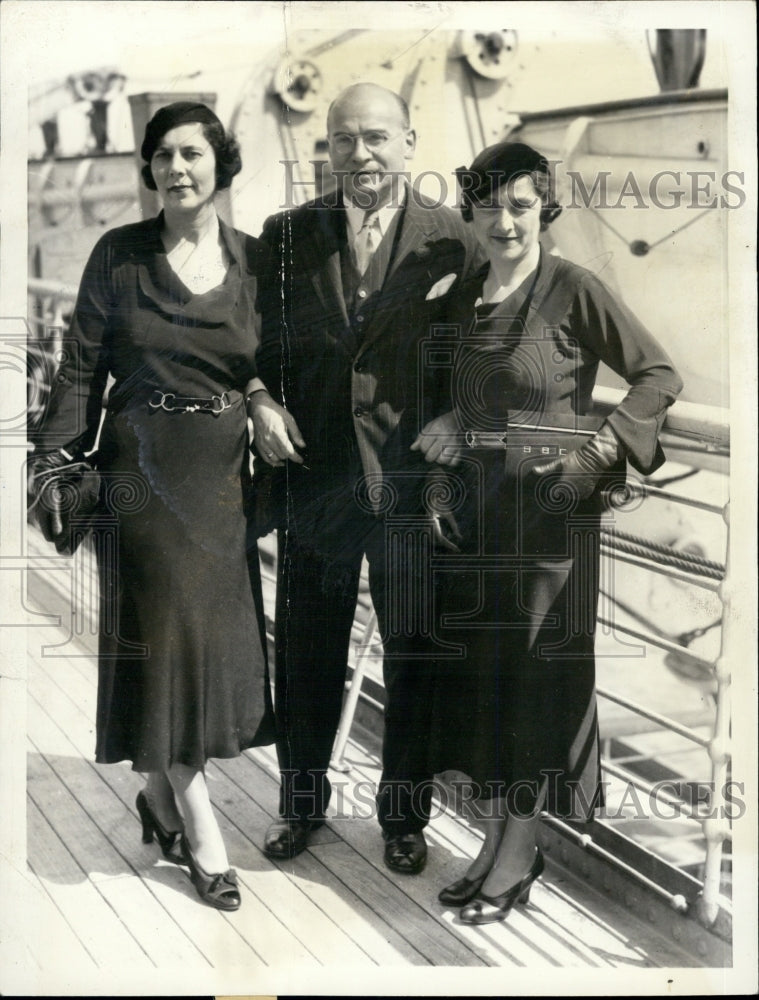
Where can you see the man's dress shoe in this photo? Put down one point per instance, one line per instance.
(405, 852)
(287, 837)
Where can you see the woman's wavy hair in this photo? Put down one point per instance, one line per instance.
(225, 146)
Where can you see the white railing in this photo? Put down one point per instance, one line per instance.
(54, 299)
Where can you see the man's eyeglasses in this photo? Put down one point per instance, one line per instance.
(345, 143)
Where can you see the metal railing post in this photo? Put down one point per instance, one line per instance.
(349, 708)
(715, 824)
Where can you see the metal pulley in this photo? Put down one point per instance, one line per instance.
(298, 84)
(488, 53)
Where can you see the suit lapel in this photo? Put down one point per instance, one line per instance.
(322, 251)
(418, 228)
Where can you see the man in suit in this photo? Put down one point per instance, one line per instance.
(354, 281)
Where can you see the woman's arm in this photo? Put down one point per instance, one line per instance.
(73, 415)
(618, 338)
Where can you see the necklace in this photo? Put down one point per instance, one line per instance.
(203, 265)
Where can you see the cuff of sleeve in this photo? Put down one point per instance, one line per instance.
(640, 440)
(255, 385)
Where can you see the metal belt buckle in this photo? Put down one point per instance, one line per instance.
(159, 401)
(217, 404)
(485, 439)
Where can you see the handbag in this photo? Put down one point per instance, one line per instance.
(548, 437)
(65, 498)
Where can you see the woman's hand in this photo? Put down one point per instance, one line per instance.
(581, 470)
(440, 440)
(275, 432)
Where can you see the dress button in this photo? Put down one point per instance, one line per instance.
(362, 293)
(358, 412)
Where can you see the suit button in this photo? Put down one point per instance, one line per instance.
(359, 319)
(358, 412)
(359, 367)
(362, 293)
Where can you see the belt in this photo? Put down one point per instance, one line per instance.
(171, 403)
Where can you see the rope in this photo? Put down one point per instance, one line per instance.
(665, 555)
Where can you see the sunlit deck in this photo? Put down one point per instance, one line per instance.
(108, 902)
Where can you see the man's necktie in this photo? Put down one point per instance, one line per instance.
(367, 240)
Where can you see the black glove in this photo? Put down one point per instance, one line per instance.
(582, 469)
(62, 488)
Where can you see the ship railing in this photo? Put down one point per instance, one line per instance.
(700, 434)
(53, 302)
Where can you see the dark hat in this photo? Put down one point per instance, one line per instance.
(165, 119)
(496, 165)
(499, 164)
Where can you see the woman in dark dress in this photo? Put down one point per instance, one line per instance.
(167, 307)
(517, 714)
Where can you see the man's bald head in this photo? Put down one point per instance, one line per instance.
(359, 91)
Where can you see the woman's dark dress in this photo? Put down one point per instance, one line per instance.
(520, 598)
(182, 659)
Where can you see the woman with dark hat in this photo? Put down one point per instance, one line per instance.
(529, 468)
(167, 308)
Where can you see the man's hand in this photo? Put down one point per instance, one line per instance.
(440, 440)
(438, 497)
(445, 531)
(275, 433)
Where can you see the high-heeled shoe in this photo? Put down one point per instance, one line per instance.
(219, 890)
(487, 909)
(462, 891)
(170, 841)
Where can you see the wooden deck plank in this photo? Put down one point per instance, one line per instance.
(34, 910)
(451, 843)
(274, 932)
(352, 913)
(388, 895)
(217, 942)
(580, 912)
(286, 925)
(121, 827)
(98, 927)
(495, 950)
(129, 875)
(335, 904)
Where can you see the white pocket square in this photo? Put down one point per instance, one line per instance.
(440, 287)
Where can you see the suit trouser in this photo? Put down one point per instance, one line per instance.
(316, 603)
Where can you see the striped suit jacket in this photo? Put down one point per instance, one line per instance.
(356, 376)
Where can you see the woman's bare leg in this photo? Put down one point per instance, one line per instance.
(201, 828)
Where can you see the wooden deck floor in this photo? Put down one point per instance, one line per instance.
(109, 903)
